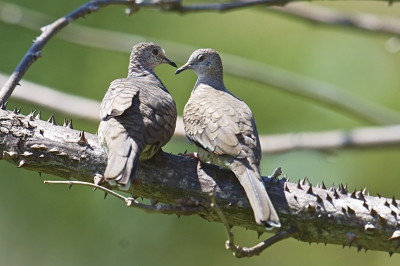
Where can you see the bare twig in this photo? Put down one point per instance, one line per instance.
(305, 11)
(359, 21)
(241, 252)
(221, 7)
(131, 202)
(257, 249)
(324, 93)
(230, 243)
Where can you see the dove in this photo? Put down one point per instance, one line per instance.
(138, 115)
(224, 130)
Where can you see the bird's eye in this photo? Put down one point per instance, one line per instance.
(201, 58)
(154, 51)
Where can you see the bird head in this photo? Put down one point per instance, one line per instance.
(149, 55)
(204, 62)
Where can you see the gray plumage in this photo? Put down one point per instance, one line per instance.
(138, 115)
(223, 128)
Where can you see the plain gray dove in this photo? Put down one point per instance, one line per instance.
(223, 128)
(138, 115)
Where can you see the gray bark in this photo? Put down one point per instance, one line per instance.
(322, 215)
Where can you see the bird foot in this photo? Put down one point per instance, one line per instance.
(98, 179)
(194, 156)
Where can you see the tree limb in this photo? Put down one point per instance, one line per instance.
(320, 214)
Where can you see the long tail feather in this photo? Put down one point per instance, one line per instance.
(264, 211)
(123, 154)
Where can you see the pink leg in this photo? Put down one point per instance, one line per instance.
(193, 155)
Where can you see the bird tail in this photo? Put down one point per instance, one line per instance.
(264, 211)
(123, 158)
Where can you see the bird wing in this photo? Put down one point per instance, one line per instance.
(118, 97)
(158, 111)
(220, 123)
(134, 124)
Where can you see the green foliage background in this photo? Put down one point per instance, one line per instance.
(51, 225)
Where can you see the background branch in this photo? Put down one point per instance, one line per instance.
(360, 21)
(364, 137)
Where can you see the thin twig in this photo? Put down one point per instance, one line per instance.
(222, 7)
(241, 252)
(359, 21)
(230, 243)
(131, 202)
(259, 248)
(321, 92)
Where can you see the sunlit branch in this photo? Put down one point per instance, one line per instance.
(335, 215)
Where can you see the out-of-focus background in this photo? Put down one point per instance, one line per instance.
(51, 225)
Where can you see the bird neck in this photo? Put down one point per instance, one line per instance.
(136, 69)
(145, 73)
(215, 81)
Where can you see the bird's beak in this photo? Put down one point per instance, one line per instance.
(182, 68)
(169, 62)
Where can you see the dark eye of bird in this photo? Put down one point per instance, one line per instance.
(201, 58)
(155, 52)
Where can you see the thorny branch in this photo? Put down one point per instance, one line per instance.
(238, 251)
(320, 92)
(311, 214)
(332, 215)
